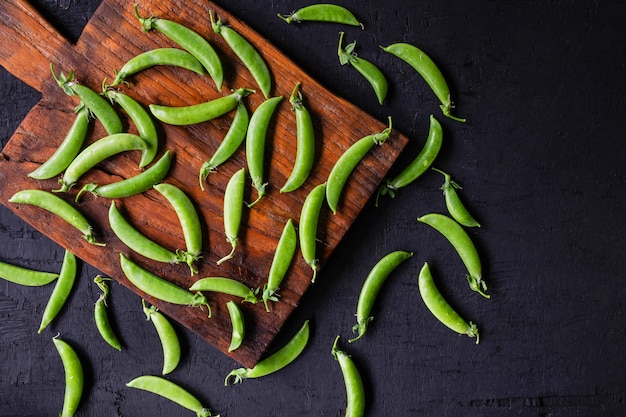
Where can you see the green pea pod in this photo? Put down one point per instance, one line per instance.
(74, 377)
(330, 13)
(309, 220)
(233, 210)
(283, 257)
(238, 326)
(348, 161)
(61, 292)
(167, 335)
(101, 316)
(25, 276)
(355, 392)
(455, 206)
(225, 286)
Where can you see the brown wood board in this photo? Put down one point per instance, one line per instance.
(113, 36)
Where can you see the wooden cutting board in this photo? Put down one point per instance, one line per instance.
(112, 37)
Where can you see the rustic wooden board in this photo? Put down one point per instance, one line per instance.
(112, 36)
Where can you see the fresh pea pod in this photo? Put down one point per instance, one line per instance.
(440, 308)
(97, 152)
(255, 144)
(429, 71)
(348, 161)
(229, 145)
(26, 276)
(462, 243)
(307, 232)
(160, 288)
(355, 392)
(305, 136)
(225, 286)
(167, 335)
(233, 210)
(199, 113)
(74, 377)
(59, 207)
(160, 56)
(369, 71)
(249, 56)
(238, 326)
(189, 40)
(133, 185)
(455, 206)
(101, 316)
(96, 104)
(68, 149)
(372, 286)
(61, 291)
(330, 13)
(275, 362)
(171, 391)
(283, 257)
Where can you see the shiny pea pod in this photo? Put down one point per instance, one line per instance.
(59, 207)
(170, 344)
(248, 55)
(237, 321)
(355, 392)
(369, 71)
(283, 257)
(429, 71)
(328, 13)
(309, 221)
(348, 161)
(462, 243)
(305, 136)
(255, 144)
(170, 391)
(61, 291)
(440, 308)
(74, 377)
(101, 315)
(26, 276)
(68, 149)
(160, 288)
(232, 141)
(276, 361)
(233, 210)
(134, 185)
(97, 152)
(225, 285)
(372, 286)
(189, 40)
(157, 57)
(455, 206)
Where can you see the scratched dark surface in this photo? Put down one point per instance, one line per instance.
(541, 162)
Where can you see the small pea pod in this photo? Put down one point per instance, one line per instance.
(305, 136)
(429, 71)
(189, 40)
(199, 113)
(455, 206)
(330, 13)
(101, 315)
(233, 210)
(255, 144)
(25, 276)
(229, 145)
(68, 149)
(355, 393)
(250, 57)
(348, 161)
(61, 292)
(440, 308)
(170, 391)
(283, 257)
(276, 361)
(59, 207)
(225, 285)
(372, 286)
(369, 71)
(238, 325)
(309, 220)
(74, 377)
(167, 336)
(462, 243)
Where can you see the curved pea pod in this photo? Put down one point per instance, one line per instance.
(167, 335)
(455, 206)
(238, 326)
(283, 257)
(101, 316)
(62, 290)
(309, 220)
(329, 13)
(369, 71)
(225, 285)
(233, 210)
(348, 161)
(428, 70)
(353, 382)
(74, 377)
(440, 308)
(26, 276)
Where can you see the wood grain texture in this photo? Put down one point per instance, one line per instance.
(113, 36)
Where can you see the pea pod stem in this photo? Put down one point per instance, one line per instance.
(61, 291)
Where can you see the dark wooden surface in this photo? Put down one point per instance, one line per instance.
(541, 163)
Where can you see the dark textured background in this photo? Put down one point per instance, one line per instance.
(541, 161)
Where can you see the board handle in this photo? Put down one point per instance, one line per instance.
(30, 43)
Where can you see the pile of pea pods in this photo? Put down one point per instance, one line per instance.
(72, 160)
